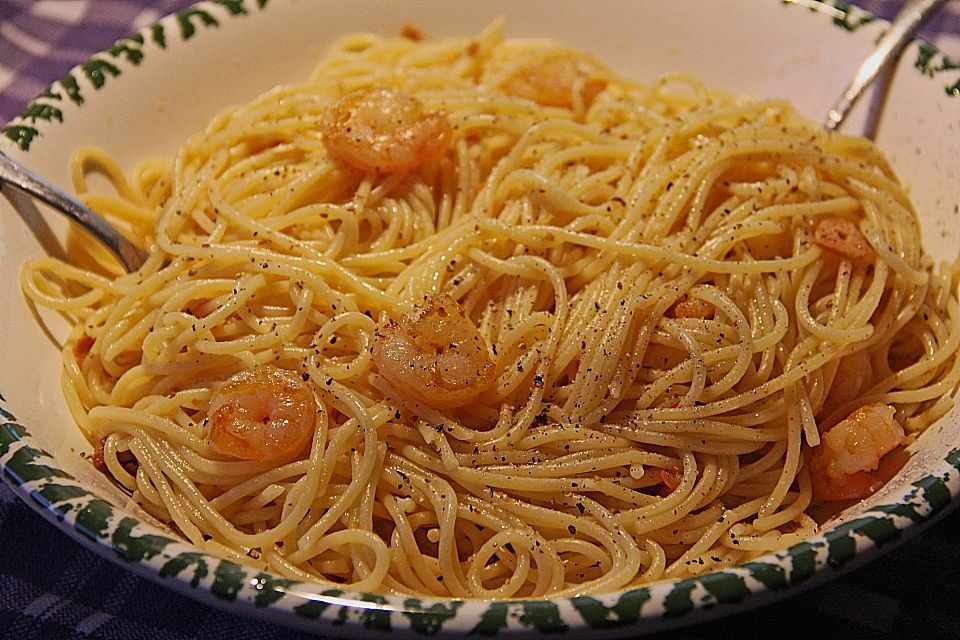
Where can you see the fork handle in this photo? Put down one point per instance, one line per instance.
(913, 15)
(19, 177)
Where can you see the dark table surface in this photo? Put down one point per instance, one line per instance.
(910, 592)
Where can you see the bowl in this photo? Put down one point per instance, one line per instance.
(149, 92)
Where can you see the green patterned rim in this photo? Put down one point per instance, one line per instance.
(38, 478)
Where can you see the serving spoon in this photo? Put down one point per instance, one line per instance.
(913, 15)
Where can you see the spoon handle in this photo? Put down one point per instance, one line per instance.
(913, 15)
(21, 178)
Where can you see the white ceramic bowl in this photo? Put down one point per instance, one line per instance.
(143, 98)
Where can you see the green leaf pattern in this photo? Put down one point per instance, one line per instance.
(188, 18)
(57, 492)
(131, 50)
(94, 74)
(849, 17)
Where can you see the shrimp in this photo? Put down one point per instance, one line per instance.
(692, 308)
(126, 459)
(264, 413)
(82, 347)
(670, 479)
(384, 131)
(842, 236)
(435, 354)
(552, 82)
(840, 466)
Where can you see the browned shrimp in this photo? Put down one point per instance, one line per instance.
(126, 459)
(434, 354)
(688, 307)
(82, 347)
(264, 413)
(552, 81)
(842, 236)
(840, 466)
(412, 32)
(384, 131)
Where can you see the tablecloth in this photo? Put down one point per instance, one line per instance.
(913, 591)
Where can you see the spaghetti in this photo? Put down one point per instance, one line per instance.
(481, 319)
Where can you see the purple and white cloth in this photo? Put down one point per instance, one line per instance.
(40, 40)
(51, 588)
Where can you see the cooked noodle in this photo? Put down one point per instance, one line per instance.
(665, 329)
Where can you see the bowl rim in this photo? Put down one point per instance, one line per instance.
(135, 544)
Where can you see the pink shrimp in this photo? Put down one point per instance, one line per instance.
(840, 466)
(688, 307)
(552, 81)
(264, 413)
(434, 354)
(842, 236)
(384, 131)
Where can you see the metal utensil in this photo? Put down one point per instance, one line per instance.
(15, 175)
(913, 15)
